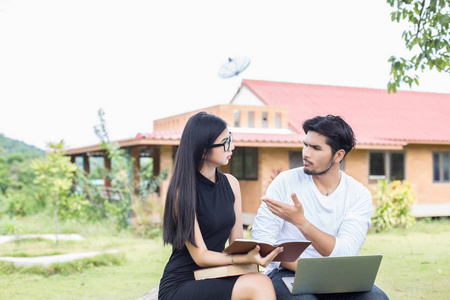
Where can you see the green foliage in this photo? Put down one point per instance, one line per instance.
(15, 173)
(10, 146)
(19, 204)
(146, 213)
(393, 205)
(135, 195)
(17, 190)
(119, 175)
(55, 172)
(427, 37)
(55, 176)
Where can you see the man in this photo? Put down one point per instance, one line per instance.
(319, 203)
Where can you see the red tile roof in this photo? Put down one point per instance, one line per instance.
(375, 115)
(160, 135)
(237, 137)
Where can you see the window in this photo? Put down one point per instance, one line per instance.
(237, 118)
(278, 120)
(79, 161)
(386, 165)
(295, 159)
(244, 164)
(264, 120)
(96, 167)
(397, 166)
(441, 167)
(251, 119)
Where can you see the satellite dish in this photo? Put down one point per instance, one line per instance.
(233, 67)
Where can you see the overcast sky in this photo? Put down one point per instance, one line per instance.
(60, 61)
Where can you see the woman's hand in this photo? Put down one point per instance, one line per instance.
(255, 257)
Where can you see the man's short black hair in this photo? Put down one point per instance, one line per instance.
(338, 133)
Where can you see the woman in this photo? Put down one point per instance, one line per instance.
(203, 211)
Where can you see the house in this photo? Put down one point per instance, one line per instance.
(399, 136)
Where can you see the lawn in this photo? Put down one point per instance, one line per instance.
(416, 264)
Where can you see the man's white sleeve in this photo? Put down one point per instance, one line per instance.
(267, 226)
(353, 229)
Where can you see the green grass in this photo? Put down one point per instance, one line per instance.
(416, 264)
(139, 271)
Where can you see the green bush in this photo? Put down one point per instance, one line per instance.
(146, 215)
(19, 203)
(393, 205)
(138, 202)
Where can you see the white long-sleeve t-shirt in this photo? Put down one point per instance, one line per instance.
(345, 213)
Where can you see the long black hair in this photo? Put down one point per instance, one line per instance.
(201, 130)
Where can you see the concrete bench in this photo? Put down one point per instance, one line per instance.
(151, 295)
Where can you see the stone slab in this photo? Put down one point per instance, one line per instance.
(51, 259)
(151, 295)
(49, 236)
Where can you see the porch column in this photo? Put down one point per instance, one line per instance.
(166, 163)
(135, 153)
(86, 163)
(107, 165)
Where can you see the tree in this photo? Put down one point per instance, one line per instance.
(55, 173)
(427, 38)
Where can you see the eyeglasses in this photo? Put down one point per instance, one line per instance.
(226, 145)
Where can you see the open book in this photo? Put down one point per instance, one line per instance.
(225, 271)
(291, 248)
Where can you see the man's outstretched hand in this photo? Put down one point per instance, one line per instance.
(291, 213)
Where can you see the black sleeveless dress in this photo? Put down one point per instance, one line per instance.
(216, 218)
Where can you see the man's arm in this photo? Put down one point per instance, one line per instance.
(323, 242)
(266, 226)
(353, 229)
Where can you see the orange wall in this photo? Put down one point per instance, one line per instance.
(270, 161)
(419, 164)
(419, 172)
(226, 112)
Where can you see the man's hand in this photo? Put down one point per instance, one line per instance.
(291, 213)
(323, 242)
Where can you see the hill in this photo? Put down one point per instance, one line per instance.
(9, 146)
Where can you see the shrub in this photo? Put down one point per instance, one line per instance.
(19, 203)
(393, 205)
(146, 215)
(138, 200)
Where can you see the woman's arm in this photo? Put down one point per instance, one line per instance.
(206, 258)
(236, 231)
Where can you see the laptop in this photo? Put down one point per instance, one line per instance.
(323, 275)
